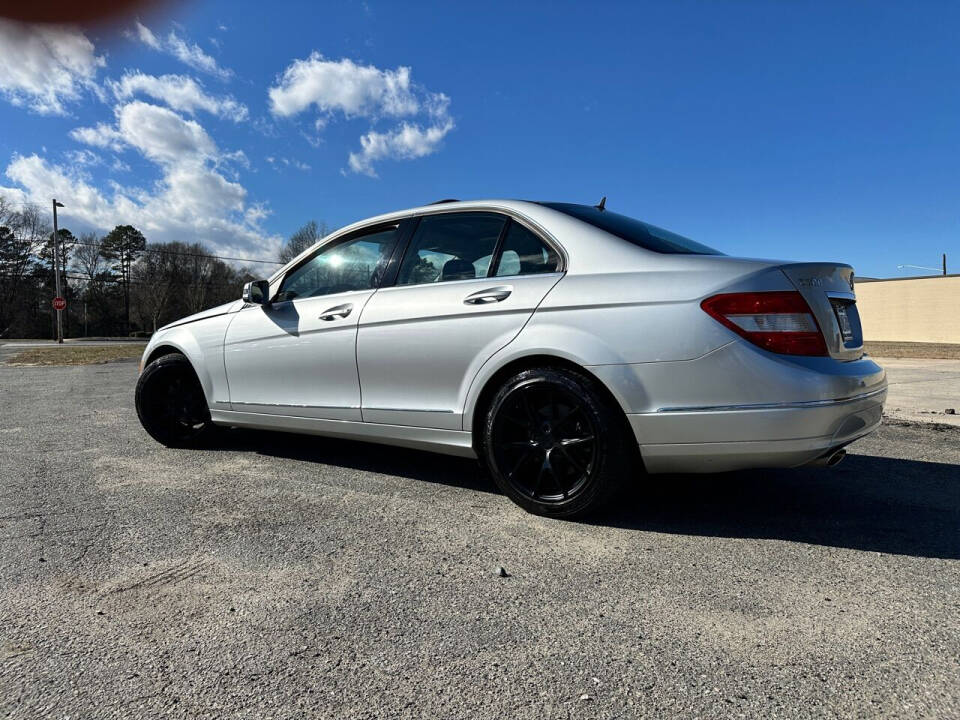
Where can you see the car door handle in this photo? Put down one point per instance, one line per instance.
(490, 295)
(340, 311)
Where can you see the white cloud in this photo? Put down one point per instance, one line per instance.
(102, 136)
(146, 36)
(188, 53)
(188, 204)
(402, 143)
(13, 195)
(277, 162)
(82, 158)
(45, 68)
(157, 132)
(179, 92)
(191, 200)
(163, 136)
(354, 91)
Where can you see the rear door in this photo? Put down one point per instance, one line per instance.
(828, 290)
(466, 285)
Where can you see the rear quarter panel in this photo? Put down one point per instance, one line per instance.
(624, 327)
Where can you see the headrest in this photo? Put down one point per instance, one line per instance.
(458, 269)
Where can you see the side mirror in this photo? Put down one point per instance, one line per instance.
(257, 292)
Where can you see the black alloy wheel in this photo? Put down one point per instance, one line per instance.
(552, 442)
(170, 402)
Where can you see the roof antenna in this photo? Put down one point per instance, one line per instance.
(602, 204)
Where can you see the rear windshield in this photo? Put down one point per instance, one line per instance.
(649, 237)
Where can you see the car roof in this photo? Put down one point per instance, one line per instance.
(520, 206)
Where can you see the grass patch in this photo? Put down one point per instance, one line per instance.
(931, 351)
(77, 355)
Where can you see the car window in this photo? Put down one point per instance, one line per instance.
(637, 232)
(483, 265)
(350, 265)
(509, 263)
(525, 254)
(454, 246)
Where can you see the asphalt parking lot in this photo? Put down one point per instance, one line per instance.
(277, 576)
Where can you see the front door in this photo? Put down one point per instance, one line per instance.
(297, 355)
(466, 286)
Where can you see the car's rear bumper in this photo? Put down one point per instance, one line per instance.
(723, 438)
(740, 407)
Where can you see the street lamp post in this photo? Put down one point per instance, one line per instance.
(56, 267)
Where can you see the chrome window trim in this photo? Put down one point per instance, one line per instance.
(336, 237)
(524, 222)
(406, 249)
(528, 223)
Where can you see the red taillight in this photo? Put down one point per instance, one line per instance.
(780, 322)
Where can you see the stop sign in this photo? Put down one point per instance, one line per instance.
(59, 303)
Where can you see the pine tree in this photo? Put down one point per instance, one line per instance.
(123, 245)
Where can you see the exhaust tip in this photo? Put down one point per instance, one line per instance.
(829, 459)
(836, 458)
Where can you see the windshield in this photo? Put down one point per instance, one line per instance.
(647, 236)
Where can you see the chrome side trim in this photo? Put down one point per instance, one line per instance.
(390, 409)
(774, 406)
(282, 405)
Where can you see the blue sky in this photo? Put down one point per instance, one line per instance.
(810, 131)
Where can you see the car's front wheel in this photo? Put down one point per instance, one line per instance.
(170, 402)
(553, 443)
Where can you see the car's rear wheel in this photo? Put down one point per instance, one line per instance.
(170, 402)
(553, 443)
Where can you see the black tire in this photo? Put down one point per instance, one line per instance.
(554, 444)
(171, 404)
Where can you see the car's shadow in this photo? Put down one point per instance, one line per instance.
(368, 457)
(886, 505)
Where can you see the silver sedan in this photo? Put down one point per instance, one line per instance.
(567, 347)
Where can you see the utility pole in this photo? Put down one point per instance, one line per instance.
(944, 263)
(56, 267)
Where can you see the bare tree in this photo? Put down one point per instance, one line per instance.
(199, 273)
(153, 279)
(7, 211)
(22, 232)
(87, 258)
(303, 238)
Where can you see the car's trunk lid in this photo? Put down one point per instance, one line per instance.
(828, 290)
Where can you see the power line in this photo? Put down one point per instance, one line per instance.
(176, 252)
(114, 281)
(186, 254)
